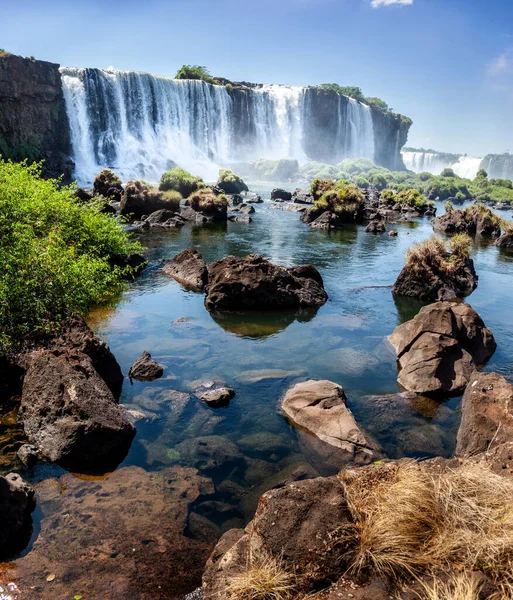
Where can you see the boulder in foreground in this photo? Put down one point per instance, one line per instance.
(320, 407)
(440, 347)
(188, 268)
(16, 504)
(487, 414)
(254, 283)
(69, 413)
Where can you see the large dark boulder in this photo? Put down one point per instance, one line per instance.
(69, 413)
(188, 268)
(432, 274)
(230, 183)
(140, 199)
(486, 414)
(440, 347)
(254, 283)
(280, 194)
(16, 504)
(474, 220)
(76, 336)
(302, 197)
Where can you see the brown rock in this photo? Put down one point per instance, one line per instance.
(487, 414)
(16, 504)
(188, 268)
(145, 368)
(256, 284)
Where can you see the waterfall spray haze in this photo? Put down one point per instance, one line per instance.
(140, 124)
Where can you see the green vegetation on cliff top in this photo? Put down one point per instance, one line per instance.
(55, 255)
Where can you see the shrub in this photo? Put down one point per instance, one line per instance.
(482, 174)
(449, 207)
(378, 180)
(425, 176)
(207, 203)
(105, 181)
(229, 88)
(348, 90)
(343, 199)
(356, 165)
(362, 182)
(447, 172)
(319, 186)
(231, 183)
(376, 103)
(460, 245)
(180, 181)
(388, 196)
(194, 72)
(412, 198)
(55, 253)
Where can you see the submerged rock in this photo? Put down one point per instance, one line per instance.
(69, 413)
(440, 347)
(16, 504)
(486, 414)
(375, 227)
(320, 407)
(188, 268)
(145, 368)
(214, 393)
(254, 283)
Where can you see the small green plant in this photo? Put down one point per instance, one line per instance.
(411, 197)
(181, 181)
(194, 72)
(447, 172)
(229, 88)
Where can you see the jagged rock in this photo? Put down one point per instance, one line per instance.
(188, 268)
(320, 407)
(473, 220)
(437, 278)
(440, 347)
(375, 227)
(302, 197)
(327, 220)
(392, 233)
(164, 218)
(27, 455)
(254, 200)
(487, 414)
(278, 194)
(245, 209)
(75, 335)
(108, 185)
(240, 219)
(69, 413)
(16, 504)
(255, 283)
(140, 199)
(214, 393)
(506, 240)
(145, 368)
(235, 200)
(309, 511)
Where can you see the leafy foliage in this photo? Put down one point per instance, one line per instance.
(181, 181)
(194, 72)
(55, 255)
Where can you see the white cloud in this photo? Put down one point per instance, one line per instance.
(501, 64)
(378, 3)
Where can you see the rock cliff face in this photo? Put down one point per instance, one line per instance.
(33, 121)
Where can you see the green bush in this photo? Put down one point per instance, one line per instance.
(362, 182)
(425, 176)
(194, 72)
(378, 180)
(55, 253)
(377, 103)
(348, 90)
(207, 203)
(180, 181)
(229, 88)
(343, 198)
(412, 198)
(447, 172)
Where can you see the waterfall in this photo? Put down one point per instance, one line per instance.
(435, 163)
(140, 125)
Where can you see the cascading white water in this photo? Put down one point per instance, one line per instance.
(139, 124)
(360, 130)
(467, 167)
(430, 162)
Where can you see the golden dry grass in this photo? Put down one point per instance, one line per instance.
(415, 521)
(463, 587)
(264, 579)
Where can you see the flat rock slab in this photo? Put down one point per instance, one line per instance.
(320, 407)
(188, 268)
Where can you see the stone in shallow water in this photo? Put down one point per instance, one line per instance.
(260, 375)
(145, 368)
(120, 537)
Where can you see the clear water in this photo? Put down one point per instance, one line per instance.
(261, 355)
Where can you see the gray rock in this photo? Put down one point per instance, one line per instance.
(145, 368)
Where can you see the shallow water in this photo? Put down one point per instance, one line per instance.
(248, 446)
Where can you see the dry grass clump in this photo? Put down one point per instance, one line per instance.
(478, 212)
(434, 255)
(463, 587)
(460, 245)
(414, 521)
(264, 579)
(206, 202)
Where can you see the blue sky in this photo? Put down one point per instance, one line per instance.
(448, 64)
